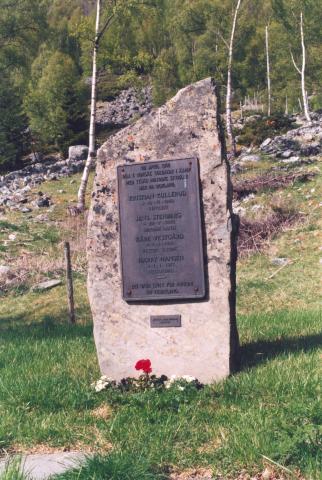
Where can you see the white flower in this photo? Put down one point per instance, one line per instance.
(174, 379)
(181, 388)
(188, 378)
(101, 384)
(99, 387)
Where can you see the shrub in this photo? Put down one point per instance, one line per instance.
(255, 132)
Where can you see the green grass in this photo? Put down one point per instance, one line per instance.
(271, 408)
(12, 470)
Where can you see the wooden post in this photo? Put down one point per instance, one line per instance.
(69, 281)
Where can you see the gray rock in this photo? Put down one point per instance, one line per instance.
(25, 210)
(252, 118)
(266, 143)
(250, 159)
(6, 274)
(188, 125)
(311, 150)
(291, 160)
(43, 202)
(45, 466)
(126, 107)
(77, 152)
(280, 262)
(46, 285)
(287, 154)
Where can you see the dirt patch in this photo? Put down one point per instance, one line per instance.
(103, 412)
(268, 181)
(43, 449)
(268, 473)
(254, 234)
(192, 474)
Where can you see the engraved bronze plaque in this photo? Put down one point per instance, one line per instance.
(165, 321)
(160, 230)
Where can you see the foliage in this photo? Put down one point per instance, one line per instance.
(12, 123)
(271, 407)
(55, 102)
(167, 43)
(12, 470)
(255, 132)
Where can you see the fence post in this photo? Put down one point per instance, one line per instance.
(69, 281)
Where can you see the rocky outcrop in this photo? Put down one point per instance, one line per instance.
(128, 106)
(15, 186)
(304, 141)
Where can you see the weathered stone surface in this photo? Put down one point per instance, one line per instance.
(49, 284)
(77, 152)
(45, 466)
(206, 345)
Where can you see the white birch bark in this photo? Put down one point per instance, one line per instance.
(92, 138)
(304, 95)
(268, 74)
(302, 73)
(229, 83)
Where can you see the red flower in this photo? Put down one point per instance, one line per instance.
(144, 365)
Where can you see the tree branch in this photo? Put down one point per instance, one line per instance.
(294, 63)
(105, 27)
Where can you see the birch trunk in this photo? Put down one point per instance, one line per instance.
(302, 74)
(268, 75)
(92, 138)
(304, 95)
(229, 124)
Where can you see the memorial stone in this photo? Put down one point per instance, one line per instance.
(162, 244)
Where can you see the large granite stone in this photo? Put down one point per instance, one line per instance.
(206, 346)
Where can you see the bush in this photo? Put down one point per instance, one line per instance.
(255, 132)
(56, 102)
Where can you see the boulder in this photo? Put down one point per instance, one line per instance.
(77, 153)
(206, 344)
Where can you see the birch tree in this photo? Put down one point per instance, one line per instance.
(229, 122)
(92, 137)
(269, 99)
(301, 72)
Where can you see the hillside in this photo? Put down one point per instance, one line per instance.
(269, 408)
(46, 60)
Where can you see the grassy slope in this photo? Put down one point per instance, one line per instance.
(270, 408)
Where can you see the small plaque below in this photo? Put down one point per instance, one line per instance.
(165, 321)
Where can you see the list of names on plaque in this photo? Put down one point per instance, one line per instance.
(160, 230)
